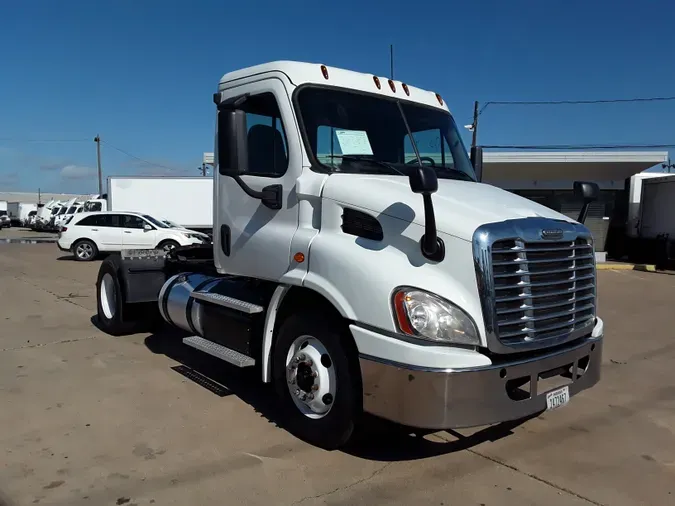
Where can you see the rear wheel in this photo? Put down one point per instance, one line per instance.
(85, 250)
(317, 379)
(115, 315)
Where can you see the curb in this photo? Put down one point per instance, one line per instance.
(626, 267)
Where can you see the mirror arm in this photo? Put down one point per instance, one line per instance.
(433, 247)
(271, 196)
(584, 211)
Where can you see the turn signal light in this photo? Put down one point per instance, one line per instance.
(299, 257)
(324, 71)
(440, 100)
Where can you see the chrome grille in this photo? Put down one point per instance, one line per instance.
(535, 292)
(542, 289)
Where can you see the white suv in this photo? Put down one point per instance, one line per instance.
(86, 234)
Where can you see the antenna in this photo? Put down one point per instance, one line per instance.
(391, 61)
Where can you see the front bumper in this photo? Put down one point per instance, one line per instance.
(433, 398)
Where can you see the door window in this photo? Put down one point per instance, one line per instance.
(99, 220)
(129, 221)
(267, 145)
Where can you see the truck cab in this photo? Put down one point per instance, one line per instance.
(358, 259)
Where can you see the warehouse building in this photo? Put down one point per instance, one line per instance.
(34, 197)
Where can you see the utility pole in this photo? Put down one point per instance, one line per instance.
(202, 169)
(474, 124)
(391, 61)
(97, 140)
(39, 197)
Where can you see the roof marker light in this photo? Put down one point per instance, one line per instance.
(405, 88)
(377, 82)
(440, 100)
(324, 71)
(392, 85)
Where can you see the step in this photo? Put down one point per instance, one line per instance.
(219, 351)
(229, 302)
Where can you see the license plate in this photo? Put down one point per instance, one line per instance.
(557, 398)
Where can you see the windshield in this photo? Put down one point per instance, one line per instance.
(32, 213)
(63, 210)
(72, 209)
(366, 134)
(3, 213)
(55, 210)
(155, 222)
(92, 207)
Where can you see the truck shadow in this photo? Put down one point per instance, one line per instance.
(378, 440)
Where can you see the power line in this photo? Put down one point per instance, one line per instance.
(152, 164)
(575, 102)
(14, 139)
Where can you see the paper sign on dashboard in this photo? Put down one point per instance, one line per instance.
(354, 142)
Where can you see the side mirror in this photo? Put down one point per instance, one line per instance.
(232, 154)
(588, 192)
(147, 227)
(423, 179)
(477, 162)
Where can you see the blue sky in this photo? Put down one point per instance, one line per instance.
(142, 73)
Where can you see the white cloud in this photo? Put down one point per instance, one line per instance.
(77, 172)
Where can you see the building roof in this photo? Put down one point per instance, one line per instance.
(32, 197)
(568, 165)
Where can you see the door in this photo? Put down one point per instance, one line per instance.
(103, 230)
(134, 234)
(252, 239)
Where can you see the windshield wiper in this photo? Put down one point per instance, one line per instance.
(465, 176)
(366, 158)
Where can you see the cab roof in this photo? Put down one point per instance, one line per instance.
(299, 73)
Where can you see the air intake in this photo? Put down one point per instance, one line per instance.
(361, 224)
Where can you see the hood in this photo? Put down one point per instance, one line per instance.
(460, 206)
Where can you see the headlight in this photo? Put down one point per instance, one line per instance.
(430, 317)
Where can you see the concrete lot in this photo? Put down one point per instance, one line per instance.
(91, 419)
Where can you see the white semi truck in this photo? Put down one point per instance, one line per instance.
(360, 276)
(184, 200)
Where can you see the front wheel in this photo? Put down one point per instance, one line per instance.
(317, 379)
(167, 245)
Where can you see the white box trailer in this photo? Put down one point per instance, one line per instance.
(657, 210)
(187, 201)
(635, 198)
(18, 212)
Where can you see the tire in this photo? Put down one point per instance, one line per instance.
(115, 316)
(168, 245)
(85, 250)
(332, 428)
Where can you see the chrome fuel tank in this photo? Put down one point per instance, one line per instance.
(178, 308)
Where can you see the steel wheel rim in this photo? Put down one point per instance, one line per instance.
(310, 377)
(84, 251)
(108, 296)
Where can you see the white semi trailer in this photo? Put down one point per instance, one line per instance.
(19, 211)
(187, 201)
(363, 277)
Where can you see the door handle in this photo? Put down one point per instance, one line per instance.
(127, 231)
(94, 230)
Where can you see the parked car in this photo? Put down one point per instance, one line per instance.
(87, 234)
(5, 222)
(173, 224)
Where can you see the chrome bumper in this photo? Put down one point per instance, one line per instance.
(454, 398)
